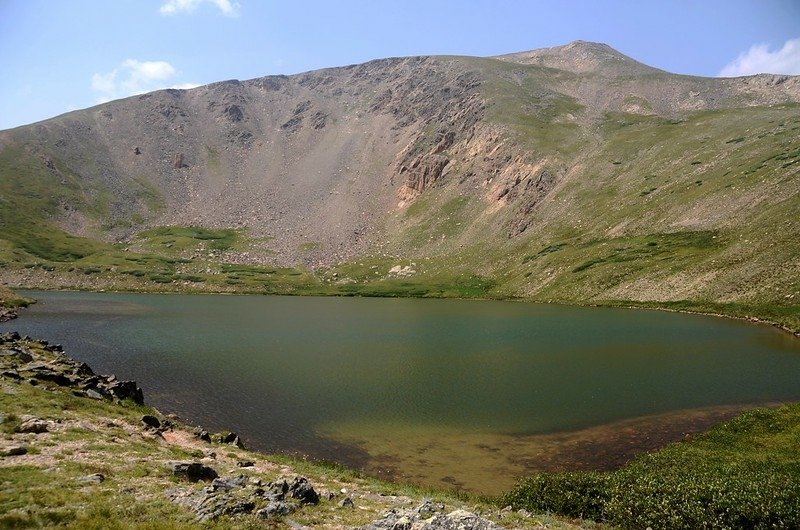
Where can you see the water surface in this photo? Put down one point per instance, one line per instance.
(466, 393)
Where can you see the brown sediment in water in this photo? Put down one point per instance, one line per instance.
(490, 463)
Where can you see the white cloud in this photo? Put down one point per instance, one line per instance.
(136, 77)
(759, 60)
(172, 7)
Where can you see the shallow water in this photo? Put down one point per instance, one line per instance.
(446, 392)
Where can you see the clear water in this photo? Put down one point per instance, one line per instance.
(387, 384)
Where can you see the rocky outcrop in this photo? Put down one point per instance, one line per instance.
(429, 516)
(20, 360)
(240, 495)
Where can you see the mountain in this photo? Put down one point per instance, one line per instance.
(571, 173)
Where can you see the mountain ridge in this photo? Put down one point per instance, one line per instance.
(469, 167)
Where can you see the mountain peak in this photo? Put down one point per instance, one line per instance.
(581, 57)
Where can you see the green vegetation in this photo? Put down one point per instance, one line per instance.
(179, 238)
(742, 474)
(11, 300)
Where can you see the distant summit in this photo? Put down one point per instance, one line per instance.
(581, 57)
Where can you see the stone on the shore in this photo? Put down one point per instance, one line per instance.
(151, 421)
(127, 390)
(193, 471)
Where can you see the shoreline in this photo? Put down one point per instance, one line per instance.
(620, 304)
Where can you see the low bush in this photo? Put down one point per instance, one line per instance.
(742, 474)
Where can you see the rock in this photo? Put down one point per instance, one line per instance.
(193, 471)
(245, 463)
(14, 450)
(461, 519)
(151, 421)
(427, 508)
(17, 353)
(275, 509)
(209, 505)
(233, 439)
(407, 519)
(95, 478)
(178, 161)
(94, 394)
(83, 370)
(33, 425)
(202, 434)
(278, 488)
(45, 373)
(229, 484)
(127, 390)
(301, 490)
(347, 502)
(137, 151)
(11, 374)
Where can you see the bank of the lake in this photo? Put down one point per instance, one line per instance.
(450, 393)
(80, 450)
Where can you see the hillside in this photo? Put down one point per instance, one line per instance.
(571, 174)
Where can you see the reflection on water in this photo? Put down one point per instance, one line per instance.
(428, 390)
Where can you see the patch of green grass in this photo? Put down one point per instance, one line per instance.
(187, 236)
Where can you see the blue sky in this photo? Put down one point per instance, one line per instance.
(60, 55)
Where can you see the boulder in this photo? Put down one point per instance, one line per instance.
(275, 509)
(228, 484)
(151, 422)
(127, 390)
(301, 490)
(193, 471)
(33, 425)
(13, 450)
(397, 519)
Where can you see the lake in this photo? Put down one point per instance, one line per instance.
(461, 393)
